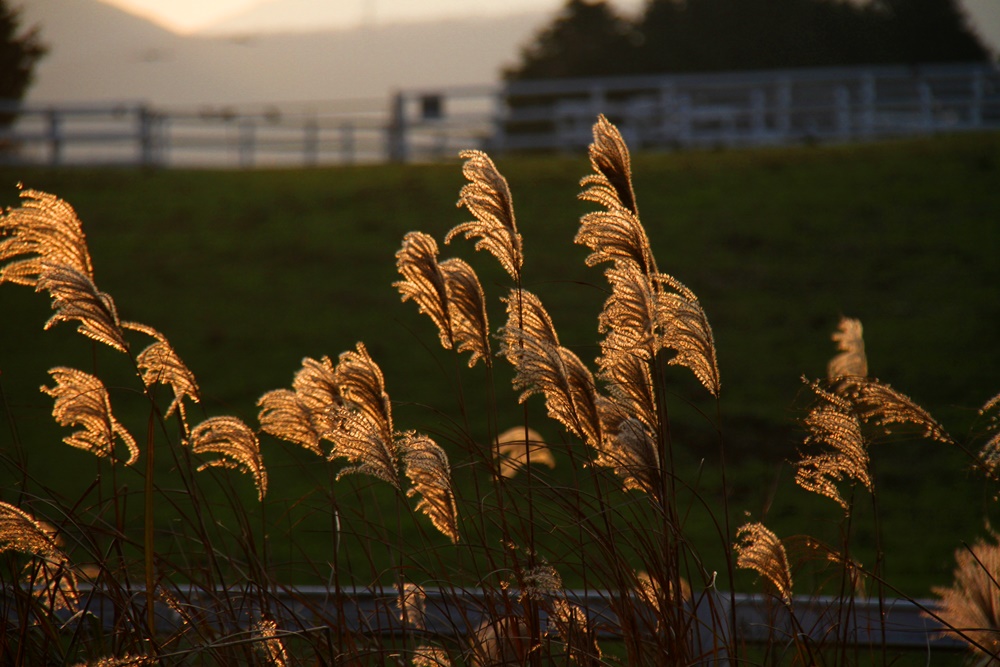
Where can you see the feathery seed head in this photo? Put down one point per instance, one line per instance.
(237, 447)
(81, 399)
(427, 467)
(759, 549)
(487, 197)
(424, 282)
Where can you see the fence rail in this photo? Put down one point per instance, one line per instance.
(668, 111)
(896, 624)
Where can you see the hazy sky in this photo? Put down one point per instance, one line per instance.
(193, 15)
(186, 16)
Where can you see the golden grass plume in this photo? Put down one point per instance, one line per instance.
(81, 399)
(75, 297)
(972, 602)
(427, 467)
(759, 549)
(160, 363)
(516, 445)
(832, 423)
(303, 414)
(237, 447)
(851, 360)
(487, 197)
(43, 230)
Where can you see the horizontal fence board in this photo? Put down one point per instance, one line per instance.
(652, 111)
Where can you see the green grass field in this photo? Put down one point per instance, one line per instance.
(249, 272)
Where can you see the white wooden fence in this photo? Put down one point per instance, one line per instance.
(666, 111)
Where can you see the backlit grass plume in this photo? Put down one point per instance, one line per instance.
(427, 467)
(513, 450)
(875, 403)
(759, 549)
(43, 230)
(832, 424)
(852, 360)
(81, 399)
(449, 293)
(160, 363)
(972, 602)
(424, 282)
(75, 297)
(647, 310)
(362, 427)
(487, 197)
(19, 531)
(990, 453)
(237, 447)
(303, 415)
(543, 366)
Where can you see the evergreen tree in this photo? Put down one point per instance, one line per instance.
(587, 38)
(19, 53)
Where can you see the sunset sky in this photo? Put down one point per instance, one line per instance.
(193, 15)
(187, 16)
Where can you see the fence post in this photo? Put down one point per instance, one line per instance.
(784, 119)
(147, 141)
(347, 143)
(396, 132)
(247, 139)
(842, 111)
(976, 104)
(310, 148)
(868, 104)
(55, 137)
(758, 114)
(926, 106)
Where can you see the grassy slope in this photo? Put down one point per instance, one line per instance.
(246, 273)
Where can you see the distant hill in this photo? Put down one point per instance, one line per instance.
(101, 53)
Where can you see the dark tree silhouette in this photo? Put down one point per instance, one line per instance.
(589, 39)
(19, 53)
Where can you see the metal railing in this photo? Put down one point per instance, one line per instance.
(666, 111)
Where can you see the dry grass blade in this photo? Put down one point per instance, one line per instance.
(235, 443)
(303, 415)
(362, 386)
(882, 406)
(972, 603)
(513, 450)
(53, 584)
(82, 400)
(427, 467)
(123, 661)
(852, 360)
(269, 644)
(467, 308)
(360, 440)
(487, 197)
(44, 230)
(833, 424)
(611, 184)
(160, 363)
(684, 328)
(629, 448)
(757, 548)
(19, 531)
(424, 282)
(75, 297)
